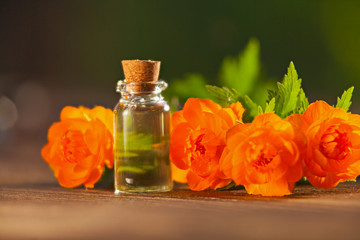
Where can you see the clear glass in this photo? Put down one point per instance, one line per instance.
(142, 139)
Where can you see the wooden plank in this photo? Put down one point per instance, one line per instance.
(33, 206)
(47, 212)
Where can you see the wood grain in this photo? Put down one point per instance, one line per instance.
(33, 206)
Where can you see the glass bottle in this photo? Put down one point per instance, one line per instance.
(141, 133)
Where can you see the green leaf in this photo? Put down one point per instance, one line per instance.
(271, 94)
(227, 187)
(224, 96)
(241, 72)
(345, 101)
(270, 106)
(134, 143)
(302, 102)
(178, 91)
(287, 93)
(260, 94)
(137, 141)
(130, 169)
(289, 96)
(303, 181)
(351, 180)
(251, 108)
(126, 154)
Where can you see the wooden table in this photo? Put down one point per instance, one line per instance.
(33, 206)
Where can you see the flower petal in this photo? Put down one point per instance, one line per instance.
(238, 110)
(225, 163)
(70, 112)
(197, 183)
(178, 175)
(194, 110)
(228, 116)
(177, 118)
(279, 188)
(80, 145)
(94, 177)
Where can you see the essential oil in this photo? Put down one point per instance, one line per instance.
(141, 131)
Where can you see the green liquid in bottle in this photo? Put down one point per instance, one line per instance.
(141, 146)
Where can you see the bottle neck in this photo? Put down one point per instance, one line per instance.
(143, 92)
(141, 97)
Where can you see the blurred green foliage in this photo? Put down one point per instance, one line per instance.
(242, 73)
(83, 42)
(179, 90)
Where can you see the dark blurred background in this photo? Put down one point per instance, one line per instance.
(57, 53)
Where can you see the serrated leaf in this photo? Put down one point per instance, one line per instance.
(260, 94)
(240, 73)
(270, 106)
(302, 102)
(224, 96)
(217, 92)
(345, 101)
(271, 94)
(287, 93)
(132, 143)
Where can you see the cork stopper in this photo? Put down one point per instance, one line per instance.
(141, 70)
(139, 74)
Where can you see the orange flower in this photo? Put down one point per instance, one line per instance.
(198, 140)
(263, 156)
(79, 146)
(178, 175)
(333, 144)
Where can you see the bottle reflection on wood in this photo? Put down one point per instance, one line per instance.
(142, 131)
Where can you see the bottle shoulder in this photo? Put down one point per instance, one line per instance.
(160, 105)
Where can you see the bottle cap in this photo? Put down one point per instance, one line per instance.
(139, 74)
(141, 70)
